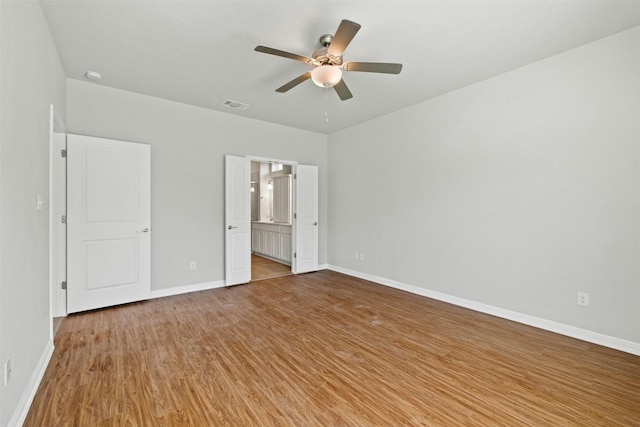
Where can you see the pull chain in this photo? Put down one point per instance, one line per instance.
(326, 105)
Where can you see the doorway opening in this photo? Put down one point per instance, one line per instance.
(301, 244)
(271, 219)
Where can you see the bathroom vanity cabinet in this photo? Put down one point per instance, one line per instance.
(272, 240)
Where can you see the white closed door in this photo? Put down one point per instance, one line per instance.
(108, 222)
(306, 219)
(237, 213)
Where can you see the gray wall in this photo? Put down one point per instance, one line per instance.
(31, 78)
(188, 145)
(516, 192)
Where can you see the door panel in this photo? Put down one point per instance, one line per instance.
(109, 219)
(112, 200)
(237, 220)
(306, 222)
(111, 263)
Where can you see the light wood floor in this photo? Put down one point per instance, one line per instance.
(325, 349)
(263, 268)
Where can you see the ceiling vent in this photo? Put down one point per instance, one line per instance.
(235, 105)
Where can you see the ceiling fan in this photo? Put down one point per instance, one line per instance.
(328, 64)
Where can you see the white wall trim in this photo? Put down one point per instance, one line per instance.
(537, 322)
(57, 207)
(177, 290)
(22, 408)
(271, 160)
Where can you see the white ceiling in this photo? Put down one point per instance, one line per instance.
(201, 52)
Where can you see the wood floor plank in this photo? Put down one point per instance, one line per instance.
(324, 349)
(263, 268)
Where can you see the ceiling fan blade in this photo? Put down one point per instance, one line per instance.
(373, 67)
(343, 91)
(295, 82)
(277, 52)
(344, 34)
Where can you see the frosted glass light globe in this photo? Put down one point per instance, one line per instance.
(326, 75)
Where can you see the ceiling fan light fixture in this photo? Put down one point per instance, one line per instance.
(328, 63)
(326, 75)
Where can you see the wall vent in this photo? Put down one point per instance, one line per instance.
(235, 105)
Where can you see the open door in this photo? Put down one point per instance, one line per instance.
(306, 219)
(237, 213)
(108, 222)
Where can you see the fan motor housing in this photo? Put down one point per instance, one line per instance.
(321, 54)
(323, 58)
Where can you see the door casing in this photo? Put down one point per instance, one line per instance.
(57, 209)
(294, 168)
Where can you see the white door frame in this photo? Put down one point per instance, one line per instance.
(294, 164)
(57, 208)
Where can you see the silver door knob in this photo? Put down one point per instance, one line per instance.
(315, 223)
(231, 227)
(144, 230)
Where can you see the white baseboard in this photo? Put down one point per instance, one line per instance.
(22, 408)
(537, 322)
(177, 290)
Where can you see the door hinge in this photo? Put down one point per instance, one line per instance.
(64, 285)
(295, 176)
(63, 153)
(63, 219)
(295, 255)
(295, 216)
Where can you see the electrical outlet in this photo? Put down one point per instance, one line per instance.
(192, 265)
(356, 255)
(583, 299)
(361, 256)
(7, 372)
